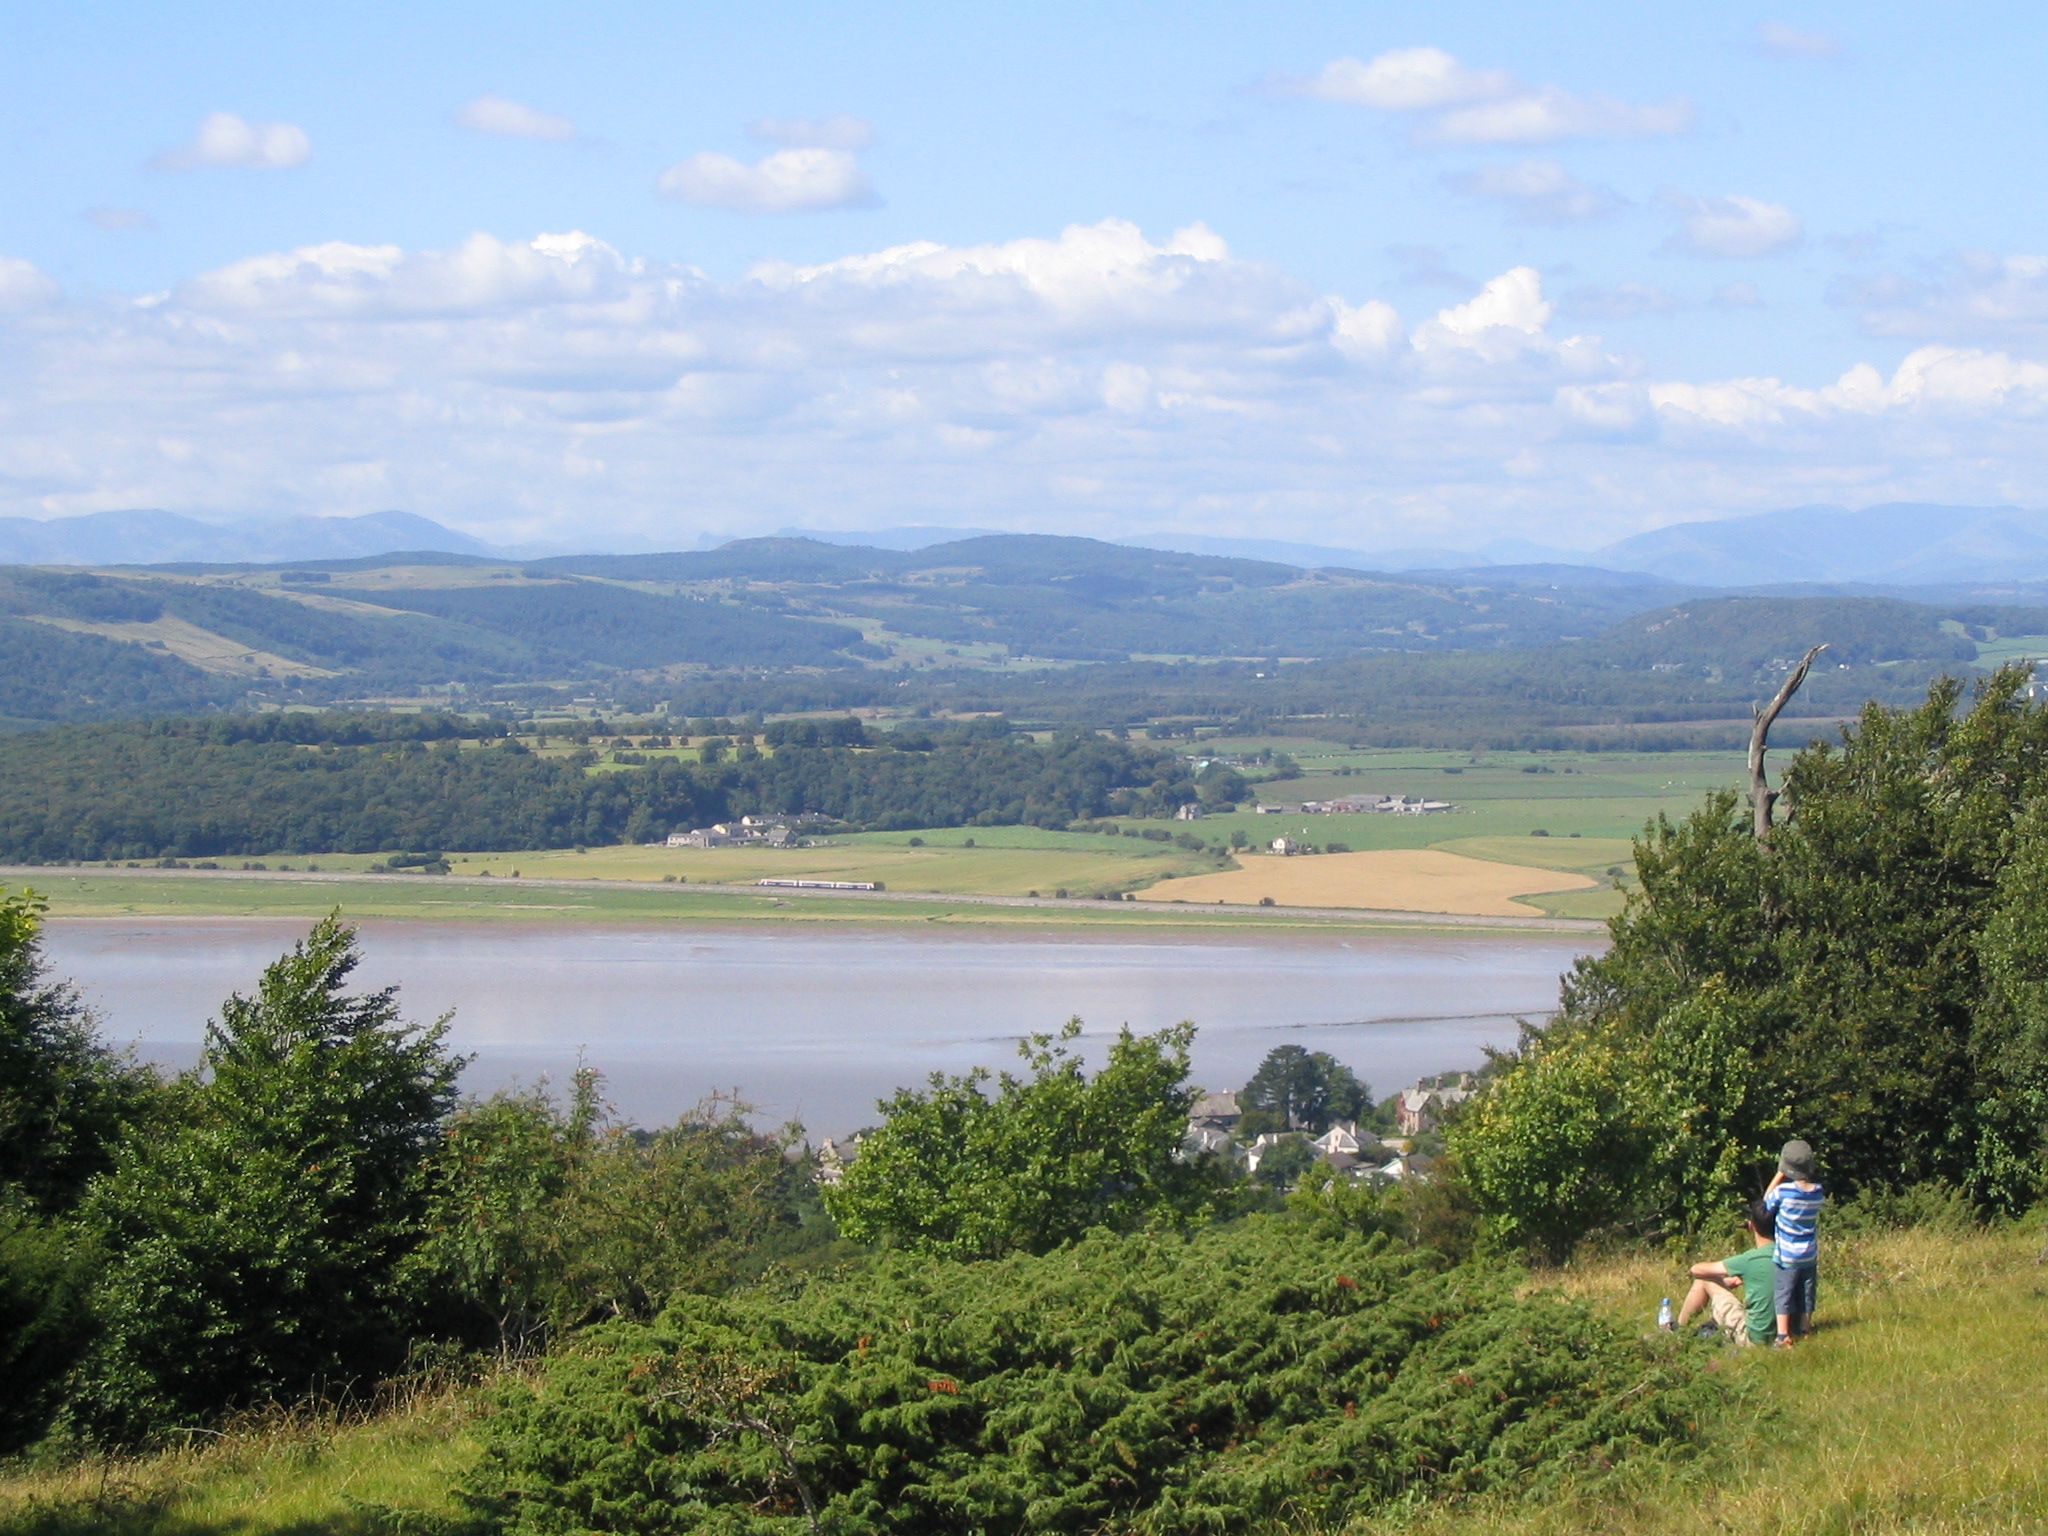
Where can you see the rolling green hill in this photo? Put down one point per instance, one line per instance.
(1068, 631)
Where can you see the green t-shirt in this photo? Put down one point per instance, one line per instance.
(1756, 1271)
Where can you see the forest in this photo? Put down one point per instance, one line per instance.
(766, 626)
(243, 786)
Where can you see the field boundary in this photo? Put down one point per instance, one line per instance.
(1362, 916)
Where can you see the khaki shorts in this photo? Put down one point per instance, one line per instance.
(1728, 1311)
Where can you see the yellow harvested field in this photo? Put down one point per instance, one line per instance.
(1390, 879)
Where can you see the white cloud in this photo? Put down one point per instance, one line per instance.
(224, 139)
(841, 130)
(1973, 296)
(1546, 115)
(1539, 192)
(1404, 80)
(1459, 105)
(118, 220)
(788, 181)
(24, 285)
(1098, 379)
(1744, 295)
(1733, 225)
(514, 119)
(1514, 299)
(1783, 42)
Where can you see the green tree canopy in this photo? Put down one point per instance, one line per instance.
(1296, 1089)
(1871, 978)
(253, 1246)
(956, 1170)
(64, 1096)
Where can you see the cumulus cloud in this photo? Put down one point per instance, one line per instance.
(514, 119)
(1732, 225)
(804, 180)
(1514, 300)
(24, 285)
(224, 139)
(1097, 379)
(1538, 192)
(118, 220)
(841, 130)
(1455, 104)
(1405, 80)
(1783, 42)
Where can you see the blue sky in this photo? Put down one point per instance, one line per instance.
(1394, 274)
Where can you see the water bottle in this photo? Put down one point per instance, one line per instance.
(1664, 1315)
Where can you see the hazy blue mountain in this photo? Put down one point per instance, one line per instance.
(905, 539)
(1364, 556)
(152, 538)
(1897, 544)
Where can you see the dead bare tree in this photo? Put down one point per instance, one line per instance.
(1761, 796)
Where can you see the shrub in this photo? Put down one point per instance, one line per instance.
(1217, 1383)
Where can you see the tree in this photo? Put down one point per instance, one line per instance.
(543, 1220)
(1868, 976)
(493, 1230)
(254, 1245)
(64, 1097)
(955, 1170)
(1300, 1090)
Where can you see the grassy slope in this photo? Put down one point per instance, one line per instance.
(1921, 1406)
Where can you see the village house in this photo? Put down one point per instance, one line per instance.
(1341, 1137)
(748, 831)
(1418, 1109)
(1192, 811)
(1381, 805)
(1215, 1111)
(1286, 847)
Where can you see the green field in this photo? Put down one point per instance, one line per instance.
(1996, 653)
(121, 894)
(1551, 810)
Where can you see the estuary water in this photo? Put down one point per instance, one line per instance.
(817, 1026)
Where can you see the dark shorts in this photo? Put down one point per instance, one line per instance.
(1796, 1290)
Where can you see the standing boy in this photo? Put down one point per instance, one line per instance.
(1744, 1318)
(1794, 1199)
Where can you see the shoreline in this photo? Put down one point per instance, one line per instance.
(127, 893)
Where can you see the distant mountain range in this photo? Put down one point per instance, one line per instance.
(1900, 544)
(162, 538)
(1908, 544)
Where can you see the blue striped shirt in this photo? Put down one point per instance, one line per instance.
(1798, 1213)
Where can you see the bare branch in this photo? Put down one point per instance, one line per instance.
(1761, 796)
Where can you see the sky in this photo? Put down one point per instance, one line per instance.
(1466, 276)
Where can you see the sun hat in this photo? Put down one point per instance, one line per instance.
(1796, 1161)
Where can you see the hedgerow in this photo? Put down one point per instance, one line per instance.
(1199, 1384)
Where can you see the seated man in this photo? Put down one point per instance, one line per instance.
(1753, 1318)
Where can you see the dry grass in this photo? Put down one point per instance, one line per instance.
(301, 1473)
(1391, 879)
(1920, 1405)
